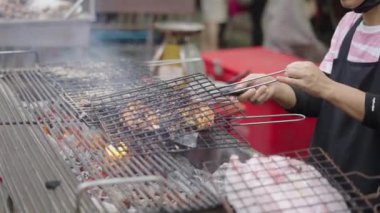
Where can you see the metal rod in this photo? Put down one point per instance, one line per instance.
(256, 78)
(367, 177)
(72, 9)
(114, 181)
(239, 91)
(300, 117)
(15, 52)
(171, 62)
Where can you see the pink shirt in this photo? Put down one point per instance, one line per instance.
(365, 46)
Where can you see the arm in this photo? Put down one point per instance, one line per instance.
(348, 99)
(285, 96)
(292, 99)
(308, 77)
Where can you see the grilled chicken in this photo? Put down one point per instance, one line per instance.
(199, 115)
(137, 115)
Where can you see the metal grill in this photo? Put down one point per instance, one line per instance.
(81, 82)
(176, 115)
(90, 156)
(28, 164)
(300, 181)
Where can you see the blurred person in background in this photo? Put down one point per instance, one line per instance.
(256, 11)
(215, 14)
(287, 29)
(343, 92)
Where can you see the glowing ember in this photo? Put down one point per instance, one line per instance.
(118, 152)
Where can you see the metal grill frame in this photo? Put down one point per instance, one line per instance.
(95, 81)
(28, 164)
(182, 95)
(315, 157)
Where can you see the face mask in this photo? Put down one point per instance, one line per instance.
(366, 6)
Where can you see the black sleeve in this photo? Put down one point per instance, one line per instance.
(372, 111)
(306, 104)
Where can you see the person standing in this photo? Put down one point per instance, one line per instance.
(257, 9)
(287, 29)
(214, 13)
(343, 92)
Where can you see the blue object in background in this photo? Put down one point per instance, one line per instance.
(135, 36)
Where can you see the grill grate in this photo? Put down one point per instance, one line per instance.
(177, 115)
(81, 82)
(90, 156)
(27, 164)
(299, 181)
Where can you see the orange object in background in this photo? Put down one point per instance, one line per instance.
(225, 65)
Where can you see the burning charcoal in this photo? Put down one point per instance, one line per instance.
(118, 151)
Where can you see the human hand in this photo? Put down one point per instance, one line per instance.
(308, 77)
(260, 94)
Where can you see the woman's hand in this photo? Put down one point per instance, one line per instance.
(260, 94)
(308, 77)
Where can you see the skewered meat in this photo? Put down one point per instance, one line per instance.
(279, 184)
(137, 115)
(199, 115)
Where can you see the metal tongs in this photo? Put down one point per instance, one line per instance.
(236, 92)
(239, 91)
(227, 91)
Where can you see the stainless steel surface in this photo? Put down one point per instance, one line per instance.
(6, 202)
(73, 32)
(146, 6)
(22, 52)
(28, 160)
(49, 33)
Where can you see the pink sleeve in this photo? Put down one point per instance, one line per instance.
(340, 32)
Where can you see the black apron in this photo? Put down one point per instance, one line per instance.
(353, 146)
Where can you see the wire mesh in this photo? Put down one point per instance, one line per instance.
(177, 115)
(91, 156)
(27, 164)
(299, 181)
(82, 81)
